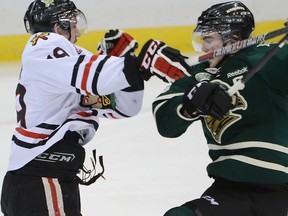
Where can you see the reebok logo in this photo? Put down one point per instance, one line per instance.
(55, 157)
(237, 72)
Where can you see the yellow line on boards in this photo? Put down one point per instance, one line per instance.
(179, 37)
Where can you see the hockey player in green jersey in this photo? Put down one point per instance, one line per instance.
(246, 133)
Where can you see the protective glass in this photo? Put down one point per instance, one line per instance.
(76, 19)
(82, 24)
(204, 35)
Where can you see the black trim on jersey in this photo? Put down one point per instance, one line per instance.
(96, 75)
(131, 69)
(48, 126)
(135, 87)
(75, 72)
(105, 115)
(94, 123)
(43, 142)
(26, 144)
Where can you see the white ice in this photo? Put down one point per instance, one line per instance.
(146, 174)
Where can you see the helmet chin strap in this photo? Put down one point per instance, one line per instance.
(69, 35)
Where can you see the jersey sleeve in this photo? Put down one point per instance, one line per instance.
(166, 109)
(129, 100)
(128, 104)
(56, 63)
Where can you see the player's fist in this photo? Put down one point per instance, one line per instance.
(204, 98)
(117, 43)
(156, 58)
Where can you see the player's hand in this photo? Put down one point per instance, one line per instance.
(156, 58)
(117, 43)
(100, 102)
(206, 98)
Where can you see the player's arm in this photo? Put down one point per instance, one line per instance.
(90, 74)
(155, 57)
(186, 101)
(125, 102)
(166, 110)
(69, 69)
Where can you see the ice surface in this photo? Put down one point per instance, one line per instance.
(146, 174)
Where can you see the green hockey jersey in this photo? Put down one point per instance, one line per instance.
(250, 144)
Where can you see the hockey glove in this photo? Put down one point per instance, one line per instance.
(156, 58)
(206, 98)
(100, 102)
(117, 43)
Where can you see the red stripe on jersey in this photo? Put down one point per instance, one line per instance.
(31, 134)
(110, 114)
(54, 197)
(86, 73)
(84, 114)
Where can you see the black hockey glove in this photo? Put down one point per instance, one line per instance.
(117, 43)
(167, 63)
(205, 98)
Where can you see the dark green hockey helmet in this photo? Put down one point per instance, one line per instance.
(233, 20)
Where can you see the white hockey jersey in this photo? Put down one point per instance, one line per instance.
(55, 73)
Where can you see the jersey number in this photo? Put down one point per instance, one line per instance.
(58, 53)
(21, 106)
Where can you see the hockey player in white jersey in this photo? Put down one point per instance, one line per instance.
(63, 89)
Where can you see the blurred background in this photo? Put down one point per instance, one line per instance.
(168, 20)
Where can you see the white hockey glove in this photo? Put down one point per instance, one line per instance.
(117, 43)
(167, 63)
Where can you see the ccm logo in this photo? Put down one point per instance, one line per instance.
(149, 54)
(55, 157)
